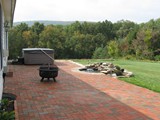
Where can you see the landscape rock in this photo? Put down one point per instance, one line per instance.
(108, 69)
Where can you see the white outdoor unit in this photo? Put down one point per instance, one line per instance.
(38, 56)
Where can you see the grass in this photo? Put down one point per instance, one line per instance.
(146, 74)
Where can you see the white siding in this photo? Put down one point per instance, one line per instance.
(1, 56)
(5, 50)
(1, 84)
(6, 16)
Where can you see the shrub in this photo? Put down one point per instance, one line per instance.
(113, 49)
(97, 53)
(129, 57)
(157, 57)
(100, 53)
(5, 113)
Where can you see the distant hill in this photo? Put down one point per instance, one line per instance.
(30, 23)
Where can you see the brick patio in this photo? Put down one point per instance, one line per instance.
(78, 96)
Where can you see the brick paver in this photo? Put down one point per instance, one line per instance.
(79, 96)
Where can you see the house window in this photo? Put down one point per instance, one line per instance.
(0, 37)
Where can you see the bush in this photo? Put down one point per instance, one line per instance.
(129, 57)
(97, 53)
(157, 57)
(113, 49)
(100, 53)
(5, 112)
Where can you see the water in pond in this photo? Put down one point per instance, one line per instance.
(90, 70)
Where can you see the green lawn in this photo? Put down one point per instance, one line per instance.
(146, 74)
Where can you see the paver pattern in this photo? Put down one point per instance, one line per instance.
(78, 96)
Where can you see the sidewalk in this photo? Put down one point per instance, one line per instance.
(79, 96)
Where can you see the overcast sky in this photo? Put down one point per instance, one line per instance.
(87, 10)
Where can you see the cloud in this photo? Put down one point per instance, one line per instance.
(87, 10)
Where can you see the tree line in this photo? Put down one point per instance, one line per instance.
(90, 39)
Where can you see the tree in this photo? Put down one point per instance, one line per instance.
(88, 39)
(97, 53)
(16, 41)
(112, 48)
(100, 53)
(106, 28)
(53, 37)
(147, 37)
(141, 48)
(80, 46)
(122, 28)
(22, 27)
(30, 38)
(37, 28)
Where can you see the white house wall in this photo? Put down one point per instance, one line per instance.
(1, 58)
(5, 50)
(1, 84)
(7, 8)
